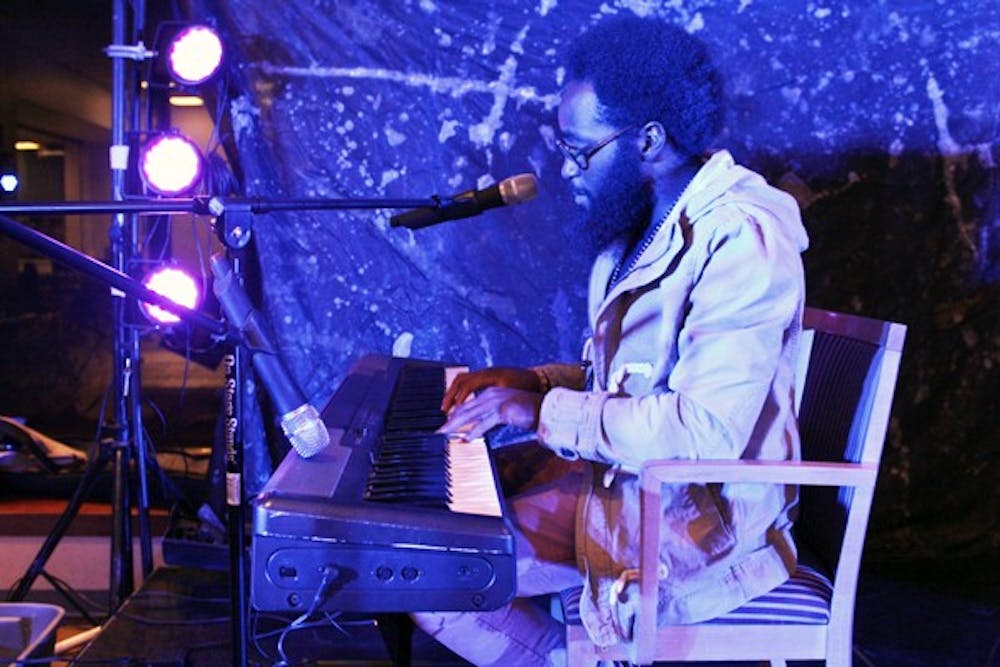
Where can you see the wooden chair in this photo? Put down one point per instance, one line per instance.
(844, 415)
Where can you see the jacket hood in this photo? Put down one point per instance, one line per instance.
(722, 182)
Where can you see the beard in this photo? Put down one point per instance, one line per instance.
(622, 208)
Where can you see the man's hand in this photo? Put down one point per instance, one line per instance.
(467, 384)
(492, 406)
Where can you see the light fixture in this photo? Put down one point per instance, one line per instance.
(27, 145)
(185, 100)
(194, 55)
(8, 182)
(174, 284)
(170, 164)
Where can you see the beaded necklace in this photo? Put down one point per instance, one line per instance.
(641, 247)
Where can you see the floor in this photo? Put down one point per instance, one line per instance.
(905, 617)
(928, 615)
(937, 614)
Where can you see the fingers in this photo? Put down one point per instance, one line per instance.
(459, 390)
(479, 428)
(467, 384)
(449, 395)
(470, 420)
(495, 405)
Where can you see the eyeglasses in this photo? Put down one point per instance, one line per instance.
(581, 156)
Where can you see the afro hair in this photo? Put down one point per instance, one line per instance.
(649, 70)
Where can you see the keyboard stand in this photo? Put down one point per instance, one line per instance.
(397, 635)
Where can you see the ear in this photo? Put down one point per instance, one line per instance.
(654, 139)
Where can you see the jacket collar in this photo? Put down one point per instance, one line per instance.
(665, 244)
(719, 181)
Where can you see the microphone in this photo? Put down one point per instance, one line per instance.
(513, 190)
(300, 421)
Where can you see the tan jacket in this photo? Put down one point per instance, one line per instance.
(693, 357)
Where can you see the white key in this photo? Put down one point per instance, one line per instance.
(472, 488)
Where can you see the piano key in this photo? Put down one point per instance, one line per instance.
(409, 447)
(472, 485)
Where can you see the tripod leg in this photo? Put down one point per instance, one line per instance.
(121, 576)
(142, 459)
(93, 469)
(142, 509)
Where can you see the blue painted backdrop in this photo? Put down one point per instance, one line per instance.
(880, 117)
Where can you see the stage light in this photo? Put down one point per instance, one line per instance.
(8, 182)
(170, 164)
(194, 55)
(185, 100)
(174, 284)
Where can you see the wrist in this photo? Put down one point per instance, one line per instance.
(544, 381)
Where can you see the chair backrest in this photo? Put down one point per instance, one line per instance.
(843, 417)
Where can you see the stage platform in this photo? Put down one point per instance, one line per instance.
(908, 614)
(181, 616)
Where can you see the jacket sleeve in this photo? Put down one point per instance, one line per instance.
(745, 290)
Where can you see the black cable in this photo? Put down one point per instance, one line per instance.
(159, 414)
(153, 228)
(330, 576)
(62, 582)
(328, 619)
(180, 596)
(149, 620)
(187, 366)
(77, 599)
(101, 413)
(254, 636)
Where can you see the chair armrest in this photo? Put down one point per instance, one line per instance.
(653, 474)
(805, 473)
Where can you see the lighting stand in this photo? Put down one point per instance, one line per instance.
(125, 359)
(117, 440)
(233, 224)
(123, 440)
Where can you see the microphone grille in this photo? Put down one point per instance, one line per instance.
(517, 189)
(305, 430)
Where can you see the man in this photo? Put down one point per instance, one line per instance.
(695, 308)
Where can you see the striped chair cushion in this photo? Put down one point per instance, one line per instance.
(804, 600)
